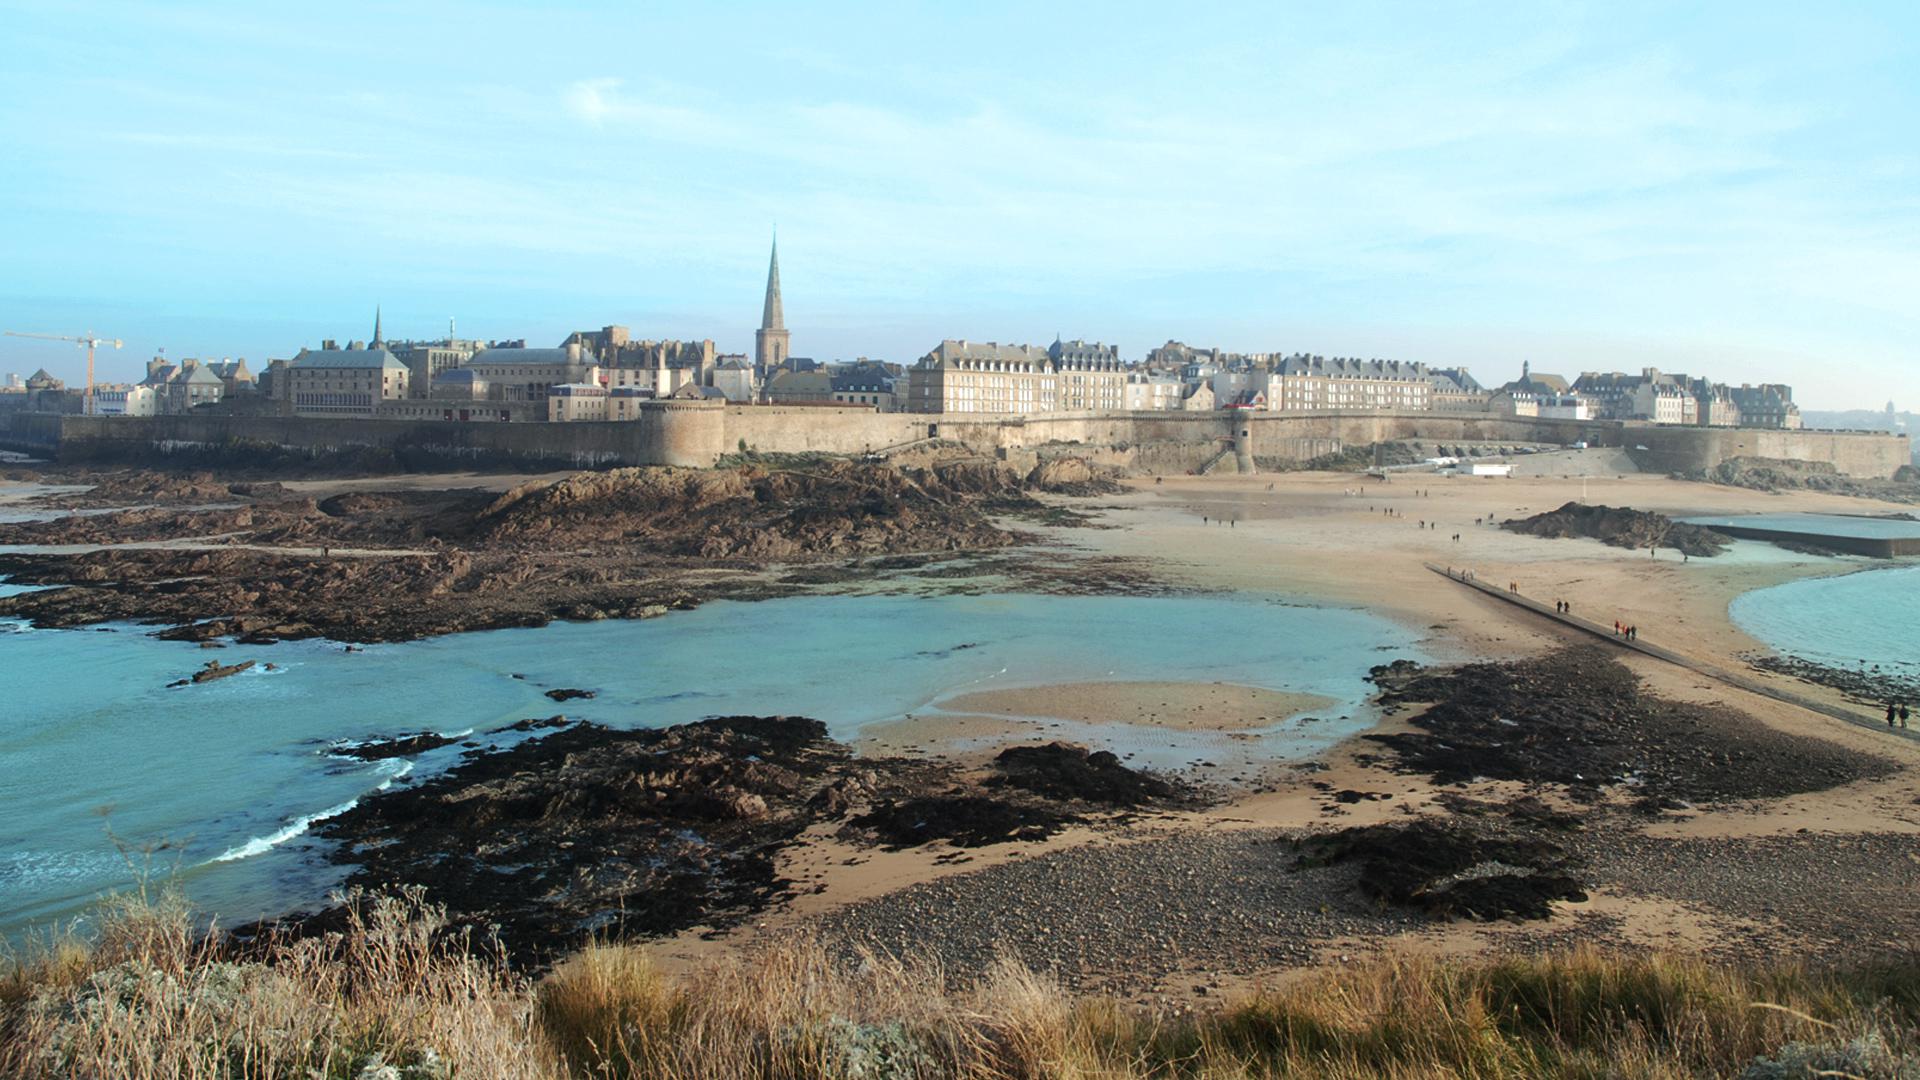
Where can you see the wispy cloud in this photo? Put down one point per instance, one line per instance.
(1564, 173)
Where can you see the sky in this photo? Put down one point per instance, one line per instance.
(1729, 190)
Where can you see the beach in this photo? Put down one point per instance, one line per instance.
(1078, 903)
(1214, 631)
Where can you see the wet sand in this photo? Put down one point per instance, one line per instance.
(1308, 539)
(1210, 706)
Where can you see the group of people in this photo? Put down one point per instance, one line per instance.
(1563, 607)
(1896, 712)
(1620, 629)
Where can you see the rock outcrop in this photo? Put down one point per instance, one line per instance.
(1621, 527)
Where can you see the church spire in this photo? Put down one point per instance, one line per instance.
(771, 317)
(377, 342)
(771, 342)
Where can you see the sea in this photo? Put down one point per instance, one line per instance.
(1869, 618)
(112, 777)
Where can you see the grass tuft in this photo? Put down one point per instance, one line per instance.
(394, 995)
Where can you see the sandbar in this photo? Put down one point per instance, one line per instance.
(1201, 706)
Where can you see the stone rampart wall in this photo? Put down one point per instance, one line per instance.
(1684, 450)
(696, 433)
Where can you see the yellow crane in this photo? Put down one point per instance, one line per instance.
(90, 342)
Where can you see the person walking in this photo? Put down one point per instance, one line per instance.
(1903, 715)
(1893, 713)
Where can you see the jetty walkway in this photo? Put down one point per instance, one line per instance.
(1712, 671)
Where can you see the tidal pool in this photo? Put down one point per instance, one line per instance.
(216, 785)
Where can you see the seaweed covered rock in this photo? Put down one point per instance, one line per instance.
(1621, 527)
(965, 820)
(1489, 867)
(1580, 718)
(1063, 771)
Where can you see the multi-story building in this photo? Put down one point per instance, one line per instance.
(1315, 384)
(522, 375)
(1088, 378)
(427, 359)
(1454, 390)
(234, 376)
(1665, 400)
(734, 375)
(866, 382)
(1511, 401)
(787, 387)
(342, 382)
(614, 348)
(570, 402)
(1713, 403)
(976, 377)
(1152, 393)
(123, 399)
(183, 387)
(1769, 405)
(1610, 393)
(1564, 407)
(1234, 384)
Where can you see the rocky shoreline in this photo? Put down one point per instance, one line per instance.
(583, 830)
(266, 565)
(1867, 686)
(1599, 759)
(1579, 718)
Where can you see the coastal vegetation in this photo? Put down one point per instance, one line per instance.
(393, 995)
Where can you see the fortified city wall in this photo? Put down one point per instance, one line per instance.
(696, 433)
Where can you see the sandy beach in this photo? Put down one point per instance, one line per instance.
(1331, 539)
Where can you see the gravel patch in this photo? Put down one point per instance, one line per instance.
(1125, 916)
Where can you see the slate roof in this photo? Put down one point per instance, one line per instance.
(527, 356)
(350, 359)
(1345, 368)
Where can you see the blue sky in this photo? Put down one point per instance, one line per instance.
(1723, 189)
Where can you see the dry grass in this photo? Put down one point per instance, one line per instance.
(149, 997)
(153, 997)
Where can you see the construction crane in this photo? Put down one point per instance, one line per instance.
(91, 343)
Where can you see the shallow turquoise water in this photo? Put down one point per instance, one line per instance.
(232, 772)
(1870, 617)
(1818, 524)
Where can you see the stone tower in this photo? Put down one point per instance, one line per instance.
(378, 341)
(770, 345)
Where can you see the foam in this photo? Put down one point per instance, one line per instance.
(260, 845)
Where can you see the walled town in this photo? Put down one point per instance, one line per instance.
(623, 708)
(603, 375)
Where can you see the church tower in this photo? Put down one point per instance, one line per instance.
(770, 345)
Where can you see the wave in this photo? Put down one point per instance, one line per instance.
(394, 768)
(260, 845)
